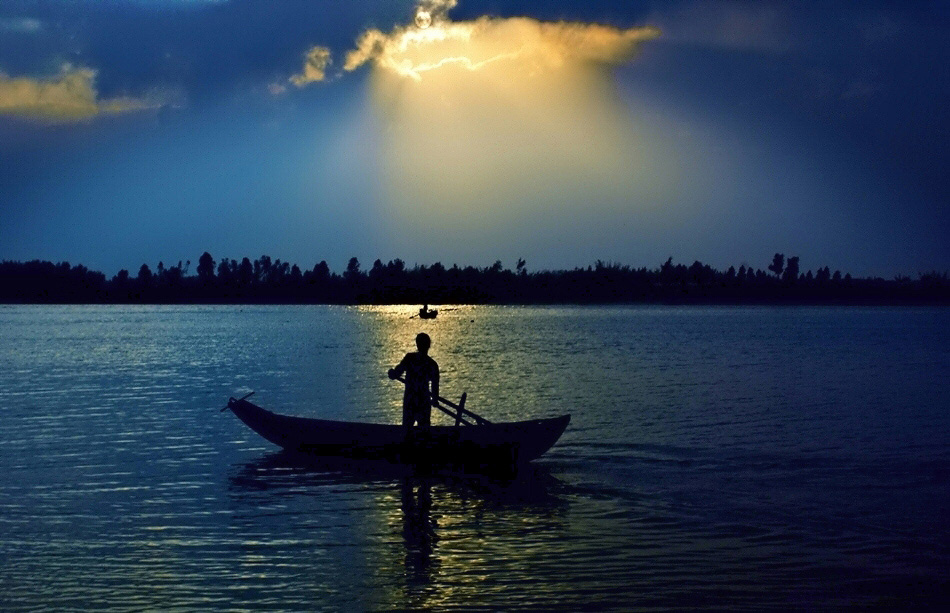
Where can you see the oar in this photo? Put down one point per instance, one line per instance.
(460, 408)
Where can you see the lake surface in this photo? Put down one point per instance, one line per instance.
(723, 458)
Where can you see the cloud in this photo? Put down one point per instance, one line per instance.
(526, 44)
(493, 130)
(69, 96)
(315, 67)
(434, 42)
(23, 25)
(433, 11)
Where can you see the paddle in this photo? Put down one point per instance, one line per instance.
(460, 408)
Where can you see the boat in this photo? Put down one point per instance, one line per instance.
(426, 313)
(470, 445)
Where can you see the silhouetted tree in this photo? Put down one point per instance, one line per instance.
(226, 270)
(174, 275)
(262, 267)
(352, 272)
(791, 270)
(321, 271)
(277, 273)
(604, 282)
(145, 276)
(245, 272)
(205, 268)
(778, 263)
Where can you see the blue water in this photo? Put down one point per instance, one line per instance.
(723, 458)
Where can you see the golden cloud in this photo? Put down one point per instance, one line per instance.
(429, 11)
(493, 124)
(526, 44)
(70, 96)
(314, 68)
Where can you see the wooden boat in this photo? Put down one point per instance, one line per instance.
(428, 314)
(475, 446)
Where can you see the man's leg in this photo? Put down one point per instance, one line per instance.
(424, 417)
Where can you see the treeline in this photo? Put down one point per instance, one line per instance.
(266, 281)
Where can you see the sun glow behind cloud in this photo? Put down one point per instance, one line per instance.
(496, 124)
(522, 44)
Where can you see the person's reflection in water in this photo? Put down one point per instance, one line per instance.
(419, 533)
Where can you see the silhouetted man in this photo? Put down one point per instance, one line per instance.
(420, 370)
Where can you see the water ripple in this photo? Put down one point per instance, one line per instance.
(733, 459)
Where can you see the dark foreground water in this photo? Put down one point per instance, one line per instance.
(723, 458)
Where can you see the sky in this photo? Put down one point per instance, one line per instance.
(469, 131)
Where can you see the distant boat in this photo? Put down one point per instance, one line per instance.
(425, 313)
(466, 447)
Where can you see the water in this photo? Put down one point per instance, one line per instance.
(730, 458)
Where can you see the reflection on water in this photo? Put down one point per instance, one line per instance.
(419, 535)
(736, 458)
(427, 529)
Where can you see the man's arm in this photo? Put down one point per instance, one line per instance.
(399, 370)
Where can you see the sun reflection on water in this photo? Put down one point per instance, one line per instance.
(122, 486)
(394, 331)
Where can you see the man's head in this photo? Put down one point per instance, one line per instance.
(423, 342)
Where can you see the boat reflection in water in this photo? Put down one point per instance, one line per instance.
(394, 537)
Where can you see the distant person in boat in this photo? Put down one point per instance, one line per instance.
(421, 371)
(425, 313)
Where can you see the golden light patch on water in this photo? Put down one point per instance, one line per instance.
(644, 503)
(394, 332)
